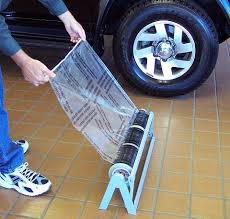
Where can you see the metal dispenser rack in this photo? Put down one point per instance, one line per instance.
(124, 170)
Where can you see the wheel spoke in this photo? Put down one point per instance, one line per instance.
(147, 37)
(161, 31)
(184, 48)
(142, 53)
(151, 64)
(180, 63)
(178, 35)
(167, 70)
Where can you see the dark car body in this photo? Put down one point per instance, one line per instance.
(31, 23)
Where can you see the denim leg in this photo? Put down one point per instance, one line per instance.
(11, 155)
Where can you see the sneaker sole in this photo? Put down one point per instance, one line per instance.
(44, 190)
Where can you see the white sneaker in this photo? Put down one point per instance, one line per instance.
(25, 181)
(24, 144)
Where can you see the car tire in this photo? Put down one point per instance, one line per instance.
(176, 37)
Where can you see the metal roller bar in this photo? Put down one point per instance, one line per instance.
(123, 173)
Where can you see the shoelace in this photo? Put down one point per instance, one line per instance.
(28, 173)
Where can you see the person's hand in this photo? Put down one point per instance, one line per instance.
(33, 70)
(74, 29)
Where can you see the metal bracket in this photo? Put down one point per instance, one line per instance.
(117, 180)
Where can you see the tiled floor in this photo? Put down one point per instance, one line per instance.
(189, 173)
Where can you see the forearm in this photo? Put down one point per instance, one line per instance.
(20, 58)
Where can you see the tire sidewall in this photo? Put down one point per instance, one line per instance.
(197, 27)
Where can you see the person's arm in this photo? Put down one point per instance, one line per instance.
(58, 8)
(33, 70)
(8, 45)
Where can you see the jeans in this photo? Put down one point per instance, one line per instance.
(11, 155)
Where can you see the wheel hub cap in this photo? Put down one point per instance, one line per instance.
(165, 49)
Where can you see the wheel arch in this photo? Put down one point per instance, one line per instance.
(111, 12)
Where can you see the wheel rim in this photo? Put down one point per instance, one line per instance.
(164, 50)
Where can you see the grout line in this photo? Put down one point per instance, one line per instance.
(18, 215)
(220, 151)
(63, 177)
(92, 184)
(192, 156)
(17, 198)
(162, 161)
(17, 123)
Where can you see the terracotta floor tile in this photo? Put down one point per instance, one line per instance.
(225, 127)
(60, 208)
(179, 205)
(23, 105)
(15, 217)
(160, 107)
(38, 146)
(184, 111)
(224, 116)
(14, 94)
(225, 152)
(32, 95)
(24, 130)
(56, 182)
(48, 132)
(227, 189)
(71, 135)
(225, 139)
(8, 199)
(31, 207)
(122, 214)
(57, 120)
(161, 121)
(103, 173)
(226, 170)
(34, 117)
(88, 153)
(91, 211)
(181, 123)
(141, 101)
(206, 138)
(55, 166)
(166, 216)
(175, 159)
(160, 134)
(180, 135)
(205, 125)
(74, 189)
(97, 192)
(34, 160)
(204, 114)
(206, 186)
(178, 165)
(203, 207)
(147, 199)
(228, 209)
(23, 85)
(206, 168)
(178, 149)
(155, 163)
(42, 107)
(151, 179)
(174, 182)
(65, 150)
(159, 148)
(83, 169)
(15, 115)
(206, 152)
